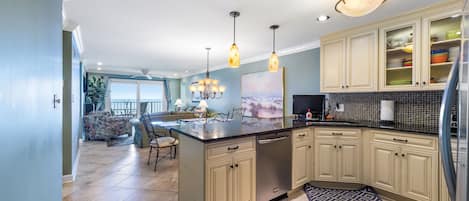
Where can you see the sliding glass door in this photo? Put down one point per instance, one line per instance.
(136, 97)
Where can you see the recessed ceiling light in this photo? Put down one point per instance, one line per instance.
(99, 68)
(175, 74)
(100, 63)
(322, 18)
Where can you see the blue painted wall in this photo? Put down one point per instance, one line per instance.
(30, 74)
(301, 77)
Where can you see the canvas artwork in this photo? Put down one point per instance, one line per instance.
(262, 94)
(196, 98)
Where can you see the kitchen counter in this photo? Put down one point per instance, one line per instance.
(215, 130)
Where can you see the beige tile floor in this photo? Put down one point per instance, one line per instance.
(121, 174)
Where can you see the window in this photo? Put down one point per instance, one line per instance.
(135, 97)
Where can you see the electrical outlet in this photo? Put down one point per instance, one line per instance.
(340, 108)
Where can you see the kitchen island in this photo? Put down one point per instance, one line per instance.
(217, 159)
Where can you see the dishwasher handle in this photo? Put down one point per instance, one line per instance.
(272, 140)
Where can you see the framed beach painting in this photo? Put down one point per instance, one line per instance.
(262, 94)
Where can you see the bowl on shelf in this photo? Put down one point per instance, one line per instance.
(394, 62)
(439, 56)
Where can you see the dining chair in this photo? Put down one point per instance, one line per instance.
(158, 141)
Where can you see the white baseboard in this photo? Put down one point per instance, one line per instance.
(71, 177)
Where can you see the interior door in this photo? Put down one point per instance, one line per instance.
(245, 177)
(333, 66)
(30, 78)
(325, 159)
(349, 160)
(362, 62)
(419, 174)
(219, 179)
(385, 165)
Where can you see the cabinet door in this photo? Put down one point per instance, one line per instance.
(349, 160)
(332, 66)
(245, 177)
(362, 62)
(325, 159)
(419, 174)
(400, 57)
(385, 164)
(440, 34)
(302, 156)
(219, 179)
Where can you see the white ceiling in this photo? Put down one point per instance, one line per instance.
(169, 36)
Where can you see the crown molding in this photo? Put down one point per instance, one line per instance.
(73, 27)
(283, 52)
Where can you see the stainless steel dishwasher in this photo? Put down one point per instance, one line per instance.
(273, 174)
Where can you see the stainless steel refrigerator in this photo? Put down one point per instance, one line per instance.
(454, 158)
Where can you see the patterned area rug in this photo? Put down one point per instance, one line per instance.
(120, 141)
(326, 194)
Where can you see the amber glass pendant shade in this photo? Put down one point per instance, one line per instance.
(234, 60)
(273, 63)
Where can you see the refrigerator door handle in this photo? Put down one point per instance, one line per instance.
(449, 97)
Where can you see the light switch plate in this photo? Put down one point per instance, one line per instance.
(340, 108)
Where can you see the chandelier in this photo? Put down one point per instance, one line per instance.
(207, 88)
(357, 8)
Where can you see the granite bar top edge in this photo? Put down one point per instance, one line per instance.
(424, 131)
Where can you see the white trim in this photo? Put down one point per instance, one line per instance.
(282, 52)
(67, 179)
(71, 177)
(73, 27)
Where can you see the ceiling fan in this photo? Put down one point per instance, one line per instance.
(144, 74)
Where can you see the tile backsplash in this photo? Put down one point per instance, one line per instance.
(422, 108)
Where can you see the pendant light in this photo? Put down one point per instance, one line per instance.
(233, 59)
(273, 61)
(357, 8)
(208, 88)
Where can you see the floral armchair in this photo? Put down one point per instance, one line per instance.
(102, 125)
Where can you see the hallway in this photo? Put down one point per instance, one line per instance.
(120, 173)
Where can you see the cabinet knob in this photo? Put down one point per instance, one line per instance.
(342, 86)
(416, 83)
(424, 83)
(403, 155)
(335, 146)
(346, 86)
(231, 166)
(340, 146)
(396, 154)
(236, 165)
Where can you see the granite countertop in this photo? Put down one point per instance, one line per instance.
(220, 130)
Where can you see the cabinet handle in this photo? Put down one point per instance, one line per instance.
(400, 140)
(233, 148)
(302, 135)
(337, 133)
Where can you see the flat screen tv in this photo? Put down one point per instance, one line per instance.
(301, 103)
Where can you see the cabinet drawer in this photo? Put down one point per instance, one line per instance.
(219, 149)
(405, 139)
(304, 134)
(342, 133)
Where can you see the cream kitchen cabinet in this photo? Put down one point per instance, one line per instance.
(349, 64)
(337, 155)
(302, 157)
(231, 173)
(399, 56)
(404, 164)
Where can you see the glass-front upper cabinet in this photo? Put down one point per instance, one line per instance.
(399, 60)
(442, 43)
